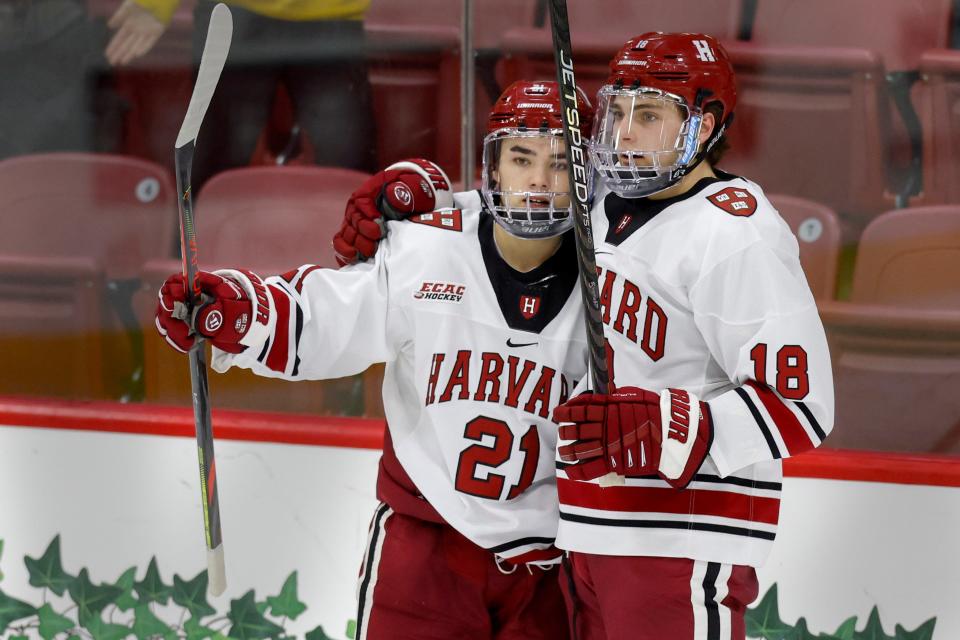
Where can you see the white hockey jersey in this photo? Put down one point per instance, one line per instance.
(477, 355)
(705, 292)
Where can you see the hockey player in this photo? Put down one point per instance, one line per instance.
(718, 361)
(474, 310)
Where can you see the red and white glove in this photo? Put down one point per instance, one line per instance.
(635, 432)
(233, 313)
(401, 190)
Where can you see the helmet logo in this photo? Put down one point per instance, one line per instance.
(704, 52)
(537, 90)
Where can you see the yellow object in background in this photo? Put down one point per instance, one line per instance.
(295, 10)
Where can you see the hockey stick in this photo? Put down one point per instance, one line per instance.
(579, 172)
(214, 56)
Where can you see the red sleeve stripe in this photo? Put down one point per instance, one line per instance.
(279, 350)
(668, 500)
(303, 275)
(794, 435)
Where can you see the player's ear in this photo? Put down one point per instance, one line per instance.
(707, 127)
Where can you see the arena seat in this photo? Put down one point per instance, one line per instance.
(818, 234)
(816, 104)
(938, 105)
(812, 122)
(271, 220)
(415, 72)
(76, 228)
(898, 31)
(270, 217)
(896, 344)
(115, 210)
(598, 28)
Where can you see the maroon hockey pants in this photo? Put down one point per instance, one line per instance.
(644, 598)
(421, 580)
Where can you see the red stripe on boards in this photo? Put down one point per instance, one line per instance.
(367, 433)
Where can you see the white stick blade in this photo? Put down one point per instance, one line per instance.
(216, 571)
(214, 56)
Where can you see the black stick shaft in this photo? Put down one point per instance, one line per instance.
(198, 356)
(579, 183)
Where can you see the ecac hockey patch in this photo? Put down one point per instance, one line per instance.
(735, 201)
(440, 291)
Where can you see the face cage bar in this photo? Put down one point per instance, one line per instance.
(685, 143)
(538, 221)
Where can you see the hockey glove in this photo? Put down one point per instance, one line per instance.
(401, 190)
(224, 315)
(634, 432)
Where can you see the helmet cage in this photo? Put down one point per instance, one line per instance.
(636, 173)
(524, 213)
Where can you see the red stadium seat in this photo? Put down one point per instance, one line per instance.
(76, 228)
(818, 234)
(116, 210)
(938, 105)
(898, 31)
(271, 220)
(273, 217)
(896, 344)
(598, 28)
(416, 69)
(812, 122)
(815, 108)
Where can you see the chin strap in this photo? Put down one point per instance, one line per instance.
(702, 95)
(702, 153)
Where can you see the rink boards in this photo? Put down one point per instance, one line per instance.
(119, 485)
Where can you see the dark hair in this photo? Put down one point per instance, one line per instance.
(722, 145)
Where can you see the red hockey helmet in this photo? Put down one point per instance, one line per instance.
(536, 105)
(652, 74)
(525, 179)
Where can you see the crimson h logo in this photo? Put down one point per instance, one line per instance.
(529, 306)
(704, 52)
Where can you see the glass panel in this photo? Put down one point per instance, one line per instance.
(849, 126)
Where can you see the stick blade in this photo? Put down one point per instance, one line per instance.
(214, 56)
(216, 571)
